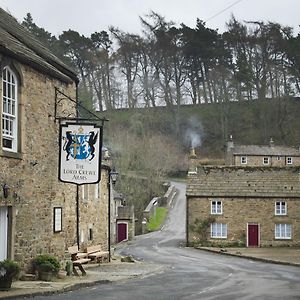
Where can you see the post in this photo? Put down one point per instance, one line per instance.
(77, 215)
(109, 196)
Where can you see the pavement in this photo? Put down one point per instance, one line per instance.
(117, 271)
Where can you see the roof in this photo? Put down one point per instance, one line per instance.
(223, 181)
(17, 42)
(265, 150)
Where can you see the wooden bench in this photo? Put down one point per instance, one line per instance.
(78, 259)
(95, 253)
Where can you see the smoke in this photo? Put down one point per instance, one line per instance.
(194, 132)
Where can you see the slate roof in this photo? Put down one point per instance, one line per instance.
(265, 150)
(223, 181)
(17, 42)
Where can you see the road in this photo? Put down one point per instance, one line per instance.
(193, 274)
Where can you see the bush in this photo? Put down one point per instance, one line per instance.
(8, 269)
(46, 263)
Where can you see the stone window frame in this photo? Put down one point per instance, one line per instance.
(218, 230)
(289, 160)
(215, 209)
(244, 160)
(279, 210)
(266, 160)
(283, 231)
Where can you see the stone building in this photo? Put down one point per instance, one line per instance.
(251, 206)
(261, 155)
(37, 212)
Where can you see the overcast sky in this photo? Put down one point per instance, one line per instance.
(88, 16)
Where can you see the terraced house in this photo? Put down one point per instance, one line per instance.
(271, 155)
(250, 206)
(37, 212)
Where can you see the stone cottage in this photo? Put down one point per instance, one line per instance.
(37, 212)
(249, 206)
(261, 155)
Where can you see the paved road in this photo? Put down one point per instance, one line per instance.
(193, 274)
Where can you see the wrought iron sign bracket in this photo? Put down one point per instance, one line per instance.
(68, 109)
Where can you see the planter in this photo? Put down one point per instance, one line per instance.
(5, 284)
(45, 276)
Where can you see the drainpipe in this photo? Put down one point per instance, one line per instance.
(109, 200)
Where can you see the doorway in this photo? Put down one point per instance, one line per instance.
(3, 232)
(122, 232)
(253, 235)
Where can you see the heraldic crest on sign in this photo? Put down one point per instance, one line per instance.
(80, 154)
(80, 145)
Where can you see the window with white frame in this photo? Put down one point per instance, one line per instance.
(216, 207)
(289, 160)
(280, 208)
(218, 230)
(9, 110)
(243, 160)
(266, 160)
(283, 231)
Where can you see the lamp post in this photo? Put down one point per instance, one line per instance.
(112, 179)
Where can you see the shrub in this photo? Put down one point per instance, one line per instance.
(9, 269)
(46, 263)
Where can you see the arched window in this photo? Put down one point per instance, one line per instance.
(9, 110)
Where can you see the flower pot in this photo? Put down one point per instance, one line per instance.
(5, 283)
(45, 276)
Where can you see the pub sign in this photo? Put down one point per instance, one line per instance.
(80, 153)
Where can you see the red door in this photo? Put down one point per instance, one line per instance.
(253, 235)
(122, 232)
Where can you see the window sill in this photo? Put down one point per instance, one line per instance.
(16, 155)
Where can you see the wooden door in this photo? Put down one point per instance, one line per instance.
(253, 235)
(122, 232)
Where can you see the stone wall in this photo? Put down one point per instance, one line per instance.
(257, 160)
(238, 212)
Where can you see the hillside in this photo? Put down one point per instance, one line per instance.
(208, 126)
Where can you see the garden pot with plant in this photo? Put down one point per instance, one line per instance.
(47, 266)
(8, 270)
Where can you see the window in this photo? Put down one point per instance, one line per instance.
(9, 110)
(280, 208)
(278, 158)
(97, 186)
(85, 193)
(266, 160)
(219, 230)
(283, 231)
(57, 219)
(216, 207)
(243, 160)
(289, 160)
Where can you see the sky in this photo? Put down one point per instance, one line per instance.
(89, 16)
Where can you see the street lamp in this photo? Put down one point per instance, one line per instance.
(114, 176)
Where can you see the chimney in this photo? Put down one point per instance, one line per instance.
(230, 144)
(272, 144)
(192, 162)
(192, 153)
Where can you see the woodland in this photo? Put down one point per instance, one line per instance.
(172, 87)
